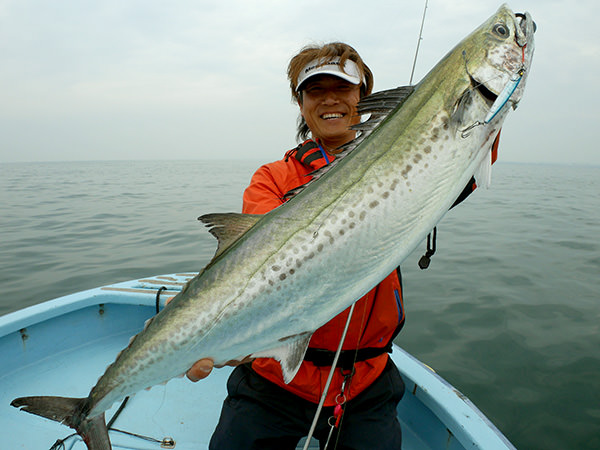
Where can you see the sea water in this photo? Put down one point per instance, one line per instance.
(508, 311)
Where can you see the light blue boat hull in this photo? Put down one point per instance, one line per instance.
(62, 346)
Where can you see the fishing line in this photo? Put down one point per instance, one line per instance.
(341, 403)
(418, 44)
(329, 378)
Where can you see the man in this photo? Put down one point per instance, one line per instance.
(261, 411)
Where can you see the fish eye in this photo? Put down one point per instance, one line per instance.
(500, 30)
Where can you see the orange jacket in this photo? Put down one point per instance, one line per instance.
(377, 317)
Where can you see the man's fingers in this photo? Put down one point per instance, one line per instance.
(200, 370)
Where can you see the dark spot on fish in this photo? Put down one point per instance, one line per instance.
(292, 271)
(282, 276)
(394, 184)
(362, 216)
(370, 190)
(373, 204)
(341, 232)
(320, 248)
(271, 282)
(417, 158)
(352, 225)
(275, 268)
(427, 149)
(445, 124)
(351, 214)
(386, 194)
(298, 263)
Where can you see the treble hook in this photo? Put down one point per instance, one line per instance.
(465, 132)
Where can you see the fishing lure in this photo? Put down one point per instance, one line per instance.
(505, 95)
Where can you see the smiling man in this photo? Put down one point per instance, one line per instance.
(262, 411)
(327, 98)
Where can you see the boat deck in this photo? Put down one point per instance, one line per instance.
(61, 347)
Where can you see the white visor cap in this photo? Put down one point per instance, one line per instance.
(315, 67)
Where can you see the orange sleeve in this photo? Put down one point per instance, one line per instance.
(263, 194)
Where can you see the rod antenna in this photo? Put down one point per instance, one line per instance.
(418, 44)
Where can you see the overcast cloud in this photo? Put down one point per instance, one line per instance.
(147, 79)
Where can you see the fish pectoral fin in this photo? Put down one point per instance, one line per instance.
(228, 227)
(290, 355)
(483, 173)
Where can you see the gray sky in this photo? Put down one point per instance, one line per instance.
(194, 79)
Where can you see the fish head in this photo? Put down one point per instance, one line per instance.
(499, 52)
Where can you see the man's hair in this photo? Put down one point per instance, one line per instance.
(324, 53)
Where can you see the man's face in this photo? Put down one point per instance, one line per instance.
(329, 109)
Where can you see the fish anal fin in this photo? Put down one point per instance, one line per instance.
(228, 227)
(290, 355)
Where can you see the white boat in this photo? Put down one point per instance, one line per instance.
(62, 346)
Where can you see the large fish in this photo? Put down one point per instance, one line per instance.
(278, 277)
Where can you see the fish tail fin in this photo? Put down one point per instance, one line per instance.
(71, 412)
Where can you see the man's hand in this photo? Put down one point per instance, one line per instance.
(202, 368)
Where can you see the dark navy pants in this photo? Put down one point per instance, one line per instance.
(258, 414)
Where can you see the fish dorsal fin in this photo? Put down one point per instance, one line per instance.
(383, 102)
(379, 105)
(228, 227)
(290, 354)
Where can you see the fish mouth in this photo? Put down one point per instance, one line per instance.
(489, 96)
(523, 20)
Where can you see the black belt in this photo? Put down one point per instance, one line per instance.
(320, 357)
